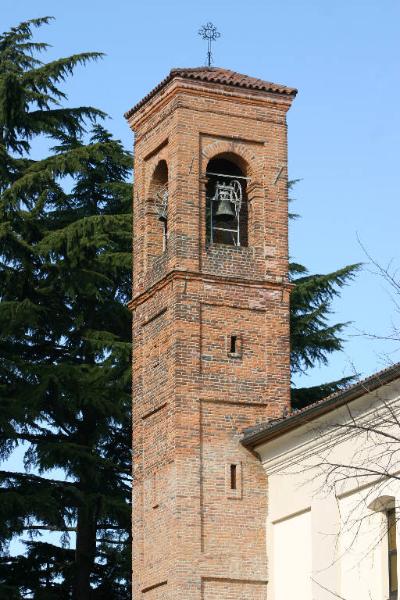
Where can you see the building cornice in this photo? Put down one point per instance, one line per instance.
(178, 274)
(217, 77)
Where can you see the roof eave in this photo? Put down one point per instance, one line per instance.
(366, 386)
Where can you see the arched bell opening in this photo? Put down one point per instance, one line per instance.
(226, 205)
(157, 234)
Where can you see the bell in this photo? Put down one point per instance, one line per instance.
(224, 210)
(162, 207)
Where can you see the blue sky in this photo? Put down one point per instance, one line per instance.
(344, 126)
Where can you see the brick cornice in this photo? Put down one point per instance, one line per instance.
(207, 90)
(215, 76)
(178, 274)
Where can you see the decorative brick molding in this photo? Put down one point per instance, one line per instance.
(230, 147)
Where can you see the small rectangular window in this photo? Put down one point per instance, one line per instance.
(233, 480)
(233, 477)
(234, 345)
(392, 553)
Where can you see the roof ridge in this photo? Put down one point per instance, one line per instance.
(205, 68)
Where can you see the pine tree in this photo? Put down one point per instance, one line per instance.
(312, 338)
(65, 255)
(65, 264)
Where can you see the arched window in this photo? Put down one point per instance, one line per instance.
(157, 234)
(386, 505)
(226, 206)
(392, 552)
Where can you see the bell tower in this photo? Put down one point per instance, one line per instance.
(210, 328)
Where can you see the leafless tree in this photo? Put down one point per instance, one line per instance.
(389, 275)
(367, 469)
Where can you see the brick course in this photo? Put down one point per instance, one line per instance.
(193, 536)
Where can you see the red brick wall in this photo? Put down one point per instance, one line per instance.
(193, 536)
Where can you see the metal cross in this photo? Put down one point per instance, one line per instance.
(210, 33)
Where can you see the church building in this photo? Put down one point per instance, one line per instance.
(211, 368)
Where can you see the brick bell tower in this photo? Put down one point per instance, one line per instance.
(210, 328)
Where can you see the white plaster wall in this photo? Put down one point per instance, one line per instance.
(361, 551)
(340, 546)
(292, 557)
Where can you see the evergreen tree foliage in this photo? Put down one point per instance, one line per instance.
(313, 339)
(65, 278)
(65, 340)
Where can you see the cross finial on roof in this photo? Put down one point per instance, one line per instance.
(210, 33)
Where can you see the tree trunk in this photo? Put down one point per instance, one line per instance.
(85, 551)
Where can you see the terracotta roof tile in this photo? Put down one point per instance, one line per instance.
(216, 75)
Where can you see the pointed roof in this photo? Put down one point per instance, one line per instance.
(216, 75)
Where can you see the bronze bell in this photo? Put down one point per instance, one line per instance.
(223, 193)
(162, 207)
(224, 210)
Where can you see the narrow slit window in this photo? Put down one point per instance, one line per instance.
(233, 480)
(392, 553)
(233, 477)
(157, 216)
(233, 349)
